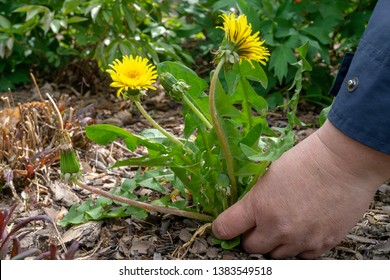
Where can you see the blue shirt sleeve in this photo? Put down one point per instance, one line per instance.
(361, 109)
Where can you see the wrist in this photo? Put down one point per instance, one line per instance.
(353, 157)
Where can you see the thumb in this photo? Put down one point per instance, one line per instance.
(234, 221)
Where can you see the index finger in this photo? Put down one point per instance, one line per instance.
(233, 221)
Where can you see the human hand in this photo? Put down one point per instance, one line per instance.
(309, 198)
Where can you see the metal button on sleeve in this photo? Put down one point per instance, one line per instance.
(352, 84)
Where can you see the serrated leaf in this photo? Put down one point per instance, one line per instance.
(319, 32)
(281, 57)
(249, 99)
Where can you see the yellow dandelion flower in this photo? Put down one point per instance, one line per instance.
(240, 42)
(132, 75)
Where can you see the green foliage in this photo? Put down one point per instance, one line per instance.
(47, 34)
(42, 35)
(330, 27)
(324, 115)
(104, 207)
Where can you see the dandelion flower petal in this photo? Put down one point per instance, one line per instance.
(239, 39)
(132, 73)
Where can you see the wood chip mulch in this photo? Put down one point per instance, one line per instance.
(159, 236)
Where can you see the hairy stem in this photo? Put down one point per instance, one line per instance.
(144, 205)
(217, 124)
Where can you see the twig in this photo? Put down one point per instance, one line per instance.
(36, 86)
(87, 255)
(11, 96)
(61, 122)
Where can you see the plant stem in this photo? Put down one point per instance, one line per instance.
(197, 112)
(157, 126)
(221, 134)
(144, 205)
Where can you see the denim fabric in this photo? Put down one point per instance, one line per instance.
(361, 109)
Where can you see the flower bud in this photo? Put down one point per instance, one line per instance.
(175, 88)
(69, 163)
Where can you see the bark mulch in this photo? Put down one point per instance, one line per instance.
(158, 236)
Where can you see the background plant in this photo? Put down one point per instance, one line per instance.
(49, 34)
(330, 27)
(42, 35)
